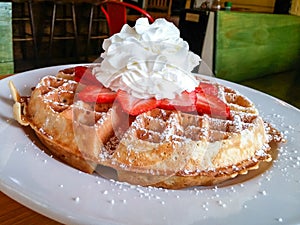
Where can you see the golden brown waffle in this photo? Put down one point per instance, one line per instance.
(186, 150)
(160, 148)
(51, 113)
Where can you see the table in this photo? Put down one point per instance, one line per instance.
(13, 213)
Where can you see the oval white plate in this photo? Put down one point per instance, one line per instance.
(62, 193)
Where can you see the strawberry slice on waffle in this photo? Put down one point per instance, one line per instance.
(135, 106)
(184, 102)
(98, 94)
(204, 100)
(84, 75)
(208, 102)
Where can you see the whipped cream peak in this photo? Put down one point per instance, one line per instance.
(148, 60)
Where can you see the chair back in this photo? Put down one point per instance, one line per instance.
(160, 8)
(116, 14)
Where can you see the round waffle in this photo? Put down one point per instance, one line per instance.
(162, 148)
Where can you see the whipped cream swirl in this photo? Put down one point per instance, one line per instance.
(148, 60)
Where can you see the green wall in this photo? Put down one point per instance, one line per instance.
(251, 45)
(6, 48)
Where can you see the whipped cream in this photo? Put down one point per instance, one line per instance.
(148, 60)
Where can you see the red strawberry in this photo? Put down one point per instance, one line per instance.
(184, 102)
(207, 88)
(135, 106)
(84, 75)
(92, 93)
(212, 105)
(80, 71)
(208, 102)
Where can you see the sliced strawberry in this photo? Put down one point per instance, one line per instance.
(80, 71)
(207, 88)
(212, 105)
(135, 106)
(84, 75)
(184, 102)
(92, 93)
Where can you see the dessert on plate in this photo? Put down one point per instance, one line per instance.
(142, 113)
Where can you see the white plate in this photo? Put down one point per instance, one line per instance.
(58, 191)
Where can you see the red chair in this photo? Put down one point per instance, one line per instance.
(115, 14)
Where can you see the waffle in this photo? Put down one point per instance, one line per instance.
(183, 150)
(162, 148)
(51, 113)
